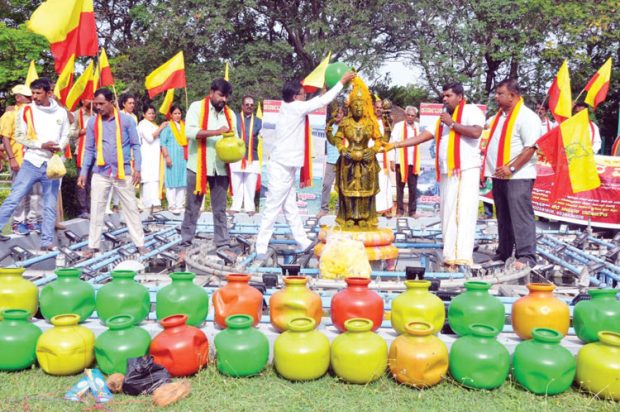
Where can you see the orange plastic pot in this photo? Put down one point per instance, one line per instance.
(418, 358)
(237, 297)
(183, 350)
(294, 301)
(539, 309)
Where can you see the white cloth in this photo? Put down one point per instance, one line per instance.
(595, 137)
(149, 193)
(102, 185)
(470, 148)
(176, 198)
(459, 212)
(51, 124)
(526, 131)
(253, 167)
(397, 136)
(150, 149)
(244, 189)
(383, 199)
(290, 128)
(546, 126)
(281, 197)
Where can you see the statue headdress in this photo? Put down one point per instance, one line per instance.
(360, 91)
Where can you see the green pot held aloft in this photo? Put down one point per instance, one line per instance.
(242, 350)
(17, 292)
(18, 340)
(478, 360)
(68, 294)
(417, 304)
(543, 366)
(123, 340)
(182, 296)
(601, 313)
(359, 355)
(123, 296)
(475, 305)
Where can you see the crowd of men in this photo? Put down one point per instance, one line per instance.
(115, 154)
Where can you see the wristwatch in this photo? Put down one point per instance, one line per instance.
(512, 169)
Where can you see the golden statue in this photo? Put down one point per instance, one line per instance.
(357, 168)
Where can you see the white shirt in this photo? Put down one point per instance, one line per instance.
(51, 124)
(371, 143)
(470, 148)
(290, 128)
(546, 126)
(526, 131)
(397, 136)
(595, 137)
(150, 150)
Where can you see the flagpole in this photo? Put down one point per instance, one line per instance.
(186, 99)
(115, 96)
(578, 96)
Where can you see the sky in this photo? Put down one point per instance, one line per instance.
(402, 74)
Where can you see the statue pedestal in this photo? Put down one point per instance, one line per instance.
(378, 242)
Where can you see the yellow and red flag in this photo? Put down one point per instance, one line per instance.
(167, 102)
(170, 75)
(568, 148)
(105, 71)
(226, 75)
(598, 86)
(82, 88)
(315, 80)
(69, 26)
(65, 81)
(32, 74)
(560, 98)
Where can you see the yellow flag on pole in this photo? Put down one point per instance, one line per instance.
(32, 74)
(168, 99)
(315, 80)
(226, 77)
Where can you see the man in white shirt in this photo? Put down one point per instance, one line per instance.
(287, 158)
(458, 169)
(406, 162)
(43, 129)
(510, 162)
(383, 200)
(595, 133)
(546, 124)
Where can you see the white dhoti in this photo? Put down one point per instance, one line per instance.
(383, 199)
(176, 198)
(150, 194)
(281, 197)
(244, 186)
(459, 212)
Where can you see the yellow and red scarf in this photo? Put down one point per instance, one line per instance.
(201, 169)
(120, 171)
(179, 136)
(404, 155)
(249, 156)
(454, 144)
(29, 120)
(505, 137)
(305, 174)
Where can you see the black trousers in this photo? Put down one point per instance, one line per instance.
(412, 185)
(218, 188)
(515, 219)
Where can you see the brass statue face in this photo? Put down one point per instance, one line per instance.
(357, 108)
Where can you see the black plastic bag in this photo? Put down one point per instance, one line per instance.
(144, 376)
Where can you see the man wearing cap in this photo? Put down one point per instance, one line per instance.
(42, 127)
(28, 213)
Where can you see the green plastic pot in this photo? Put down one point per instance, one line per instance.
(242, 350)
(542, 365)
(182, 296)
(478, 360)
(475, 305)
(67, 294)
(123, 340)
(123, 296)
(602, 313)
(18, 340)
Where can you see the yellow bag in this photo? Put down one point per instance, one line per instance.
(55, 167)
(344, 257)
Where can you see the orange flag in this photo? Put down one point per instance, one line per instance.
(560, 98)
(69, 26)
(65, 81)
(569, 150)
(105, 71)
(598, 86)
(170, 75)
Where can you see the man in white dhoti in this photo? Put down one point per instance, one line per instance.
(383, 200)
(457, 167)
(406, 162)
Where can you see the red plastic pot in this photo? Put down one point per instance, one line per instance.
(183, 350)
(356, 301)
(237, 297)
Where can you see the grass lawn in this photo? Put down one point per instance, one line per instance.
(32, 390)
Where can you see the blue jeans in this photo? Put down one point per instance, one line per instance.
(27, 176)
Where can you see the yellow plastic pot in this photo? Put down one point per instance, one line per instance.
(359, 355)
(418, 358)
(598, 366)
(301, 353)
(417, 304)
(17, 292)
(67, 348)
